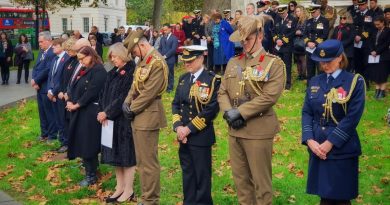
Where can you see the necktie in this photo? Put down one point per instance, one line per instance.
(192, 78)
(43, 56)
(55, 66)
(329, 81)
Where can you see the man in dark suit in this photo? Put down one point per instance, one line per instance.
(194, 124)
(99, 36)
(53, 88)
(40, 75)
(167, 49)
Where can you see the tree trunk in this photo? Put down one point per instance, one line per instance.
(157, 13)
(215, 4)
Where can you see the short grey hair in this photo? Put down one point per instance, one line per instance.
(46, 35)
(120, 51)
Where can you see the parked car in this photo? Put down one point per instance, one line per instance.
(107, 38)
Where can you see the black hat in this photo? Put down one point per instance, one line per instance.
(327, 51)
(282, 8)
(191, 52)
(360, 2)
(260, 4)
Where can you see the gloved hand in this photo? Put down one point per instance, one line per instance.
(127, 112)
(238, 124)
(232, 115)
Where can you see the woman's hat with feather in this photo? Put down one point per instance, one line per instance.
(248, 25)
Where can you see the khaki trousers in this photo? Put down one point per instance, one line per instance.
(252, 169)
(148, 166)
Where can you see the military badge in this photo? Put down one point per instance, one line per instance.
(320, 26)
(322, 53)
(368, 19)
(341, 93)
(314, 89)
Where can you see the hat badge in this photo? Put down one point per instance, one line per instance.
(136, 40)
(185, 52)
(322, 53)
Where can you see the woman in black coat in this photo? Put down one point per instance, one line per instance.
(84, 129)
(122, 153)
(6, 52)
(345, 32)
(379, 46)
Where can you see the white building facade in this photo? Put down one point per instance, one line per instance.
(105, 17)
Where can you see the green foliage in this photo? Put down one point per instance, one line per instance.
(51, 4)
(30, 179)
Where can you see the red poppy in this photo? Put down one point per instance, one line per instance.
(241, 56)
(259, 68)
(82, 72)
(122, 72)
(62, 59)
(149, 59)
(261, 59)
(198, 83)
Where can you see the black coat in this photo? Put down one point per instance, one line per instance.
(285, 31)
(67, 72)
(382, 47)
(99, 49)
(364, 26)
(116, 88)
(316, 31)
(8, 52)
(84, 129)
(347, 38)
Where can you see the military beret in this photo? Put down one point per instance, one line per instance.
(327, 51)
(191, 52)
(313, 7)
(282, 8)
(360, 2)
(132, 39)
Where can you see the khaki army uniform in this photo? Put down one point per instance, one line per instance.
(144, 98)
(253, 84)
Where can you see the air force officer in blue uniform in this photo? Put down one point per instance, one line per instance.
(39, 81)
(194, 108)
(333, 106)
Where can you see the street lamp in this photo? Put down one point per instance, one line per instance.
(71, 22)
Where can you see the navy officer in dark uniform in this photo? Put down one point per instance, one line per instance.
(364, 27)
(197, 30)
(316, 31)
(333, 106)
(284, 31)
(194, 108)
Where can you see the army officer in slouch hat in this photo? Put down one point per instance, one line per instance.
(194, 108)
(143, 106)
(252, 84)
(333, 106)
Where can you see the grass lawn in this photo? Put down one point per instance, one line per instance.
(33, 175)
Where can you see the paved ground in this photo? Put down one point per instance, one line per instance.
(7, 200)
(13, 92)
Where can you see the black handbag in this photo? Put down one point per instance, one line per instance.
(299, 45)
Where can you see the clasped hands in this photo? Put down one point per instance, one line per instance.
(234, 119)
(182, 134)
(321, 150)
(127, 111)
(72, 107)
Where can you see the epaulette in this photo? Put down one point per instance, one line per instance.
(214, 74)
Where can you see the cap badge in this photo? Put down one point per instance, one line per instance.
(322, 53)
(136, 40)
(185, 52)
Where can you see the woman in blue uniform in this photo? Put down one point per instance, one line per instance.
(333, 106)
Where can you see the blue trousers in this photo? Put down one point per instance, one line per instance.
(171, 76)
(46, 116)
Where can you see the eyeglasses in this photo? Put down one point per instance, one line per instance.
(343, 17)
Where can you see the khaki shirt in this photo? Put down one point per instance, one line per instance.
(144, 98)
(255, 95)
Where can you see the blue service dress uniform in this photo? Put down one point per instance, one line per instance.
(332, 111)
(195, 105)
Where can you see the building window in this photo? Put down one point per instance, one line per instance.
(86, 25)
(64, 24)
(105, 23)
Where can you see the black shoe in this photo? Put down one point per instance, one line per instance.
(18, 82)
(3, 83)
(63, 149)
(89, 180)
(112, 200)
(376, 93)
(26, 81)
(6, 82)
(130, 199)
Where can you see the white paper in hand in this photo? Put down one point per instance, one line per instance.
(373, 59)
(310, 50)
(108, 134)
(203, 42)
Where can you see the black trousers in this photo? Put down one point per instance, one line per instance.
(25, 65)
(360, 62)
(91, 165)
(4, 69)
(195, 162)
(287, 59)
(334, 202)
(312, 67)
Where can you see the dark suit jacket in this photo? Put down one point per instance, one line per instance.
(347, 38)
(99, 49)
(41, 69)
(185, 111)
(382, 47)
(168, 48)
(54, 81)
